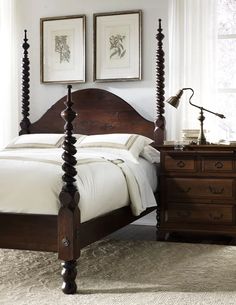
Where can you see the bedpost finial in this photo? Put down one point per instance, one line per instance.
(159, 36)
(25, 38)
(159, 27)
(25, 44)
(69, 87)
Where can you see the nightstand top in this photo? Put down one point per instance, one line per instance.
(212, 148)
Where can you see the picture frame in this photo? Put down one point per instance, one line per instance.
(117, 46)
(62, 49)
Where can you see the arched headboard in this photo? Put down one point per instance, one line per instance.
(99, 111)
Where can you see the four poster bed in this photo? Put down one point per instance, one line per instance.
(99, 112)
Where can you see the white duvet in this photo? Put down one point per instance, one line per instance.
(30, 181)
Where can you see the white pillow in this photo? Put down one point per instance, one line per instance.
(151, 154)
(124, 145)
(39, 140)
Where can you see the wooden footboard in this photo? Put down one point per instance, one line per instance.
(39, 232)
(28, 232)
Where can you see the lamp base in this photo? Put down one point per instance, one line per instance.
(202, 141)
(199, 143)
(201, 138)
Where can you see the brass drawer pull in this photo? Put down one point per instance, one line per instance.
(216, 216)
(219, 164)
(216, 190)
(181, 164)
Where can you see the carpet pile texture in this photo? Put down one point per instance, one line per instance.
(114, 272)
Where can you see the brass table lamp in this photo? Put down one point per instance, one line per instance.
(175, 100)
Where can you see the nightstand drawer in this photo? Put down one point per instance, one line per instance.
(217, 165)
(197, 213)
(184, 164)
(193, 188)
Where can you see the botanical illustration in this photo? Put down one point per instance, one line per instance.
(117, 47)
(62, 47)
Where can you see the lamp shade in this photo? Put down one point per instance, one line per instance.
(175, 99)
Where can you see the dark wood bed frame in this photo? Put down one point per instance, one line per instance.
(99, 111)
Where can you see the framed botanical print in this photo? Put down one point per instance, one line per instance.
(117, 46)
(62, 49)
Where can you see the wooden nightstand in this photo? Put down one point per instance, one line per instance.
(198, 189)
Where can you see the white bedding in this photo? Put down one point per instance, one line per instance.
(30, 182)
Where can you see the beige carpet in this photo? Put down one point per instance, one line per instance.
(124, 272)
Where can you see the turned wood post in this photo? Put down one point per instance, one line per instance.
(25, 123)
(69, 214)
(159, 132)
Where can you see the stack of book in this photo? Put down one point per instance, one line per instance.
(190, 135)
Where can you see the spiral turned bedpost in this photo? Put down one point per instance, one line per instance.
(68, 146)
(159, 132)
(69, 214)
(25, 123)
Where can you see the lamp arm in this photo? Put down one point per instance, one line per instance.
(202, 108)
(191, 98)
(215, 113)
